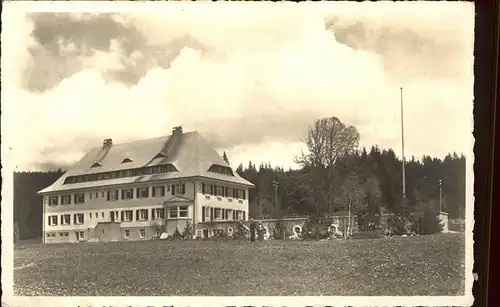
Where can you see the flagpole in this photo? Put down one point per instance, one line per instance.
(403, 153)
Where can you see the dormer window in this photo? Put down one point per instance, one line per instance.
(127, 160)
(96, 164)
(220, 169)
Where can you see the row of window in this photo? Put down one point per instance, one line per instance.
(224, 191)
(120, 174)
(208, 214)
(81, 235)
(145, 192)
(61, 234)
(221, 214)
(65, 219)
(142, 233)
(158, 169)
(126, 194)
(123, 215)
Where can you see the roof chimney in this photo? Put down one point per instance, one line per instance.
(177, 130)
(107, 143)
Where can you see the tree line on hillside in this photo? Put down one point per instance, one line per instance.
(27, 204)
(334, 175)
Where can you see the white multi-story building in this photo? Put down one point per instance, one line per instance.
(137, 190)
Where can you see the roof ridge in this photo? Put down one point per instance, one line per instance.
(148, 139)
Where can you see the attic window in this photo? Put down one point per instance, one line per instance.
(126, 160)
(160, 155)
(220, 169)
(96, 165)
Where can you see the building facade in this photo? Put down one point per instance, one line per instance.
(138, 190)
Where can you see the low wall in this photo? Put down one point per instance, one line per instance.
(289, 223)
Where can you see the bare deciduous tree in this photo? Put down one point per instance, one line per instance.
(327, 141)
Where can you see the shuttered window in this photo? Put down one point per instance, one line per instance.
(66, 199)
(218, 190)
(53, 220)
(218, 213)
(65, 219)
(128, 215)
(158, 213)
(142, 192)
(158, 191)
(113, 195)
(179, 189)
(79, 198)
(128, 194)
(142, 215)
(53, 200)
(78, 218)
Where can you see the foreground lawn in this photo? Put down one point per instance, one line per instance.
(426, 265)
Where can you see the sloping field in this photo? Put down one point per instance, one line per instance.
(425, 265)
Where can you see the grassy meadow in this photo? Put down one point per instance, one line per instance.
(413, 266)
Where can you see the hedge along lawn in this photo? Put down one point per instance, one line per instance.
(425, 265)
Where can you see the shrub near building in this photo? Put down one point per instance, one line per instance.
(188, 232)
(240, 233)
(429, 222)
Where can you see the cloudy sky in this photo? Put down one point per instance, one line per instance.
(250, 77)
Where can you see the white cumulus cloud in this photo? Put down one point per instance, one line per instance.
(264, 73)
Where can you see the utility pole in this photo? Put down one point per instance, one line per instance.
(349, 222)
(275, 192)
(403, 154)
(461, 219)
(440, 196)
(260, 207)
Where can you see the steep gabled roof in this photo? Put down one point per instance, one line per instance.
(189, 153)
